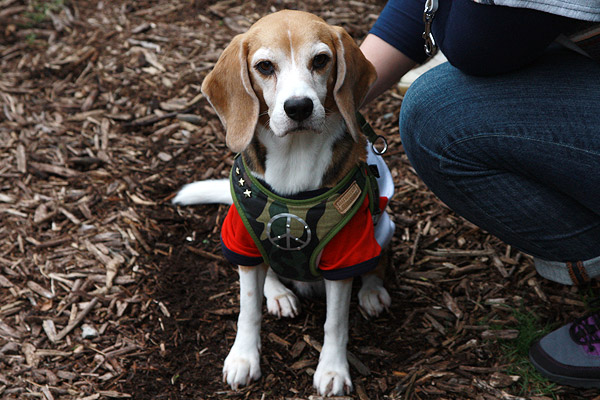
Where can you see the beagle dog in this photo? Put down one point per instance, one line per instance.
(287, 92)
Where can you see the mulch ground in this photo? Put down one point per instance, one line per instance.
(107, 291)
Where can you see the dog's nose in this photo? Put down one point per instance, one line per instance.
(299, 108)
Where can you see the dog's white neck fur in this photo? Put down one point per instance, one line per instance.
(298, 161)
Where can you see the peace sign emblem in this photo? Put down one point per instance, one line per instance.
(288, 239)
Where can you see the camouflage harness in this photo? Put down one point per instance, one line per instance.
(290, 233)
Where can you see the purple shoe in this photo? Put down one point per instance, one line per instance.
(571, 355)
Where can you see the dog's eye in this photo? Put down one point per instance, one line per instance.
(320, 61)
(265, 68)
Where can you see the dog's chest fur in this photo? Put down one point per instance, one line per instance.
(303, 161)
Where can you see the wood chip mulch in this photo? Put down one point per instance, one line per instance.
(109, 292)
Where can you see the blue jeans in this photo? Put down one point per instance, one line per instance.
(518, 154)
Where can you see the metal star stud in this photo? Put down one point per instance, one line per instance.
(242, 181)
(247, 193)
(237, 170)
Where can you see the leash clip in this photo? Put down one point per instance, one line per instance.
(385, 145)
(431, 47)
(371, 135)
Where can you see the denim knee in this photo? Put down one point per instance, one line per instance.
(422, 137)
(518, 174)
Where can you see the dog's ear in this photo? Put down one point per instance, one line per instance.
(355, 75)
(229, 90)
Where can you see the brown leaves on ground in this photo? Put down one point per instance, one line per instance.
(108, 292)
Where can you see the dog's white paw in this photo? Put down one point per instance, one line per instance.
(284, 304)
(241, 367)
(374, 299)
(332, 377)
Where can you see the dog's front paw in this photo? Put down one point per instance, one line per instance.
(374, 299)
(332, 377)
(284, 304)
(241, 367)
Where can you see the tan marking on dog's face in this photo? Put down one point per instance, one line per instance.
(292, 58)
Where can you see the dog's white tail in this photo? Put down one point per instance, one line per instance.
(204, 192)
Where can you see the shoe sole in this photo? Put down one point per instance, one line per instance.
(566, 380)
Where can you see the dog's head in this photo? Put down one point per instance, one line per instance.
(289, 72)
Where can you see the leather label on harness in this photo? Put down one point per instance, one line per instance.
(347, 199)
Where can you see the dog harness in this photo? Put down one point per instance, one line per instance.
(291, 233)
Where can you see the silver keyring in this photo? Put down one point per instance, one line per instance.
(385, 145)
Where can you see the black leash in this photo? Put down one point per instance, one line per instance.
(371, 135)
